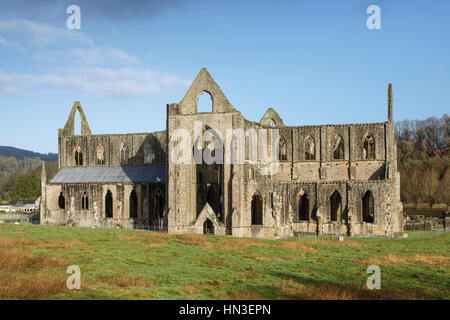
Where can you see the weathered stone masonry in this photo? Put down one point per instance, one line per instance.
(332, 179)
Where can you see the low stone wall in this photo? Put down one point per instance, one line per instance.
(18, 217)
(423, 226)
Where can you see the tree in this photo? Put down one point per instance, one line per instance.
(430, 186)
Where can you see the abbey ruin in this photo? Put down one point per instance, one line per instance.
(330, 179)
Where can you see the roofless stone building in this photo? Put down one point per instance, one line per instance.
(331, 179)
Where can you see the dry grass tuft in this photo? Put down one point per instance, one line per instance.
(17, 258)
(6, 242)
(41, 285)
(294, 245)
(241, 242)
(413, 259)
(127, 282)
(216, 261)
(294, 290)
(345, 243)
(195, 240)
(193, 288)
(246, 295)
(142, 235)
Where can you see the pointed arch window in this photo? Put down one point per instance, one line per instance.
(133, 204)
(368, 206)
(335, 206)
(101, 155)
(338, 151)
(282, 152)
(310, 151)
(78, 152)
(257, 209)
(124, 154)
(108, 205)
(369, 147)
(61, 201)
(148, 154)
(303, 207)
(85, 201)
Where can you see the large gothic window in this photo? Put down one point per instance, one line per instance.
(148, 154)
(124, 154)
(61, 201)
(368, 206)
(282, 152)
(338, 150)
(78, 152)
(310, 152)
(369, 147)
(257, 210)
(85, 201)
(335, 206)
(133, 204)
(303, 207)
(100, 155)
(108, 205)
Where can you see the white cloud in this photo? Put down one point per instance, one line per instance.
(99, 82)
(40, 34)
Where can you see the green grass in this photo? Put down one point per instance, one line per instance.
(132, 264)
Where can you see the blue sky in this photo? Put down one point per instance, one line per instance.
(315, 62)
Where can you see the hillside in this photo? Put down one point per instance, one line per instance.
(18, 163)
(21, 154)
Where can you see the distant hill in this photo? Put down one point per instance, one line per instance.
(21, 154)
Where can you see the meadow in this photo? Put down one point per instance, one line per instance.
(133, 264)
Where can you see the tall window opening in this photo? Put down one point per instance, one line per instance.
(100, 155)
(368, 207)
(85, 201)
(303, 207)
(133, 204)
(257, 212)
(310, 151)
(61, 201)
(282, 152)
(335, 206)
(108, 205)
(338, 148)
(78, 152)
(369, 147)
(148, 154)
(124, 154)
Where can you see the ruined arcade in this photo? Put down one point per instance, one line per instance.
(331, 179)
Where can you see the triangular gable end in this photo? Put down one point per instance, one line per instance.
(271, 115)
(208, 213)
(69, 128)
(204, 82)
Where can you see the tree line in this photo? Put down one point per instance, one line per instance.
(423, 160)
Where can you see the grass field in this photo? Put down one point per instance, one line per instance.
(131, 264)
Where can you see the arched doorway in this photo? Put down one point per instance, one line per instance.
(208, 227)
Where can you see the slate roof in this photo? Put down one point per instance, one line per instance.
(123, 174)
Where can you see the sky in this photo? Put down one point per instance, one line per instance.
(315, 62)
